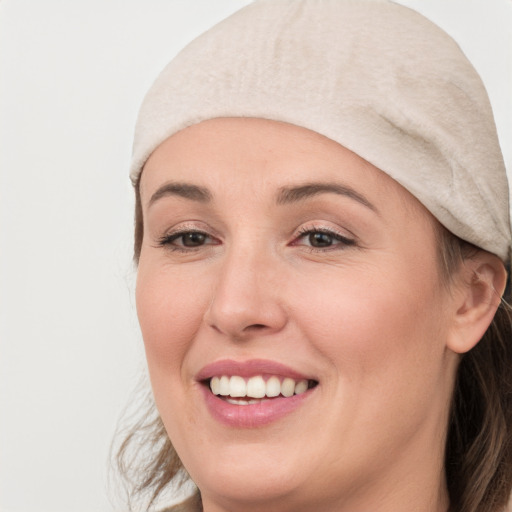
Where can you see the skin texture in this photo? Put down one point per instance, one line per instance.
(366, 316)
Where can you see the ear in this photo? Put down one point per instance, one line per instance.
(477, 292)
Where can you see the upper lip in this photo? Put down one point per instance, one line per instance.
(249, 368)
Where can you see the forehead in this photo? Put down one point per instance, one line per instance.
(229, 156)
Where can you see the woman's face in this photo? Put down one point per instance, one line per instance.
(273, 257)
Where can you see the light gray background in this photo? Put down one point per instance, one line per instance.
(72, 75)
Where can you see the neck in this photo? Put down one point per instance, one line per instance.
(426, 499)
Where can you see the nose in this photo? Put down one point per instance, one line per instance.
(247, 300)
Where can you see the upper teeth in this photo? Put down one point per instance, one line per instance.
(256, 387)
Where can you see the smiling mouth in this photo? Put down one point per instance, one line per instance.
(238, 390)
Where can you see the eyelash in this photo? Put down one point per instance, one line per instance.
(344, 241)
(168, 240)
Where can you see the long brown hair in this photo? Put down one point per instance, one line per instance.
(478, 461)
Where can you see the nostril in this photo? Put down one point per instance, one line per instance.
(255, 327)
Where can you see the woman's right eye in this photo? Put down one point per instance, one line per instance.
(186, 240)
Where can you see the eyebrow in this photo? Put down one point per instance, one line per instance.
(293, 194)
(184, 190)
(286, 195)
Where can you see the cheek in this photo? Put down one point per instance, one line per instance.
(383, 344)
(170, 309)
(377, 329)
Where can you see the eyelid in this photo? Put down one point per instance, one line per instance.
(324, 228)
(195, 226)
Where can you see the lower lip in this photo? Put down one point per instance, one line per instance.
(252, 415)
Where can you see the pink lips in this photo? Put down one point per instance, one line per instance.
(253, 415)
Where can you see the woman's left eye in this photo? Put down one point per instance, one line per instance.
(323, 239)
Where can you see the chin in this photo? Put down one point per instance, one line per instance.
(250, 475)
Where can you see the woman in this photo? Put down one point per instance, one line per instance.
(322, 233)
